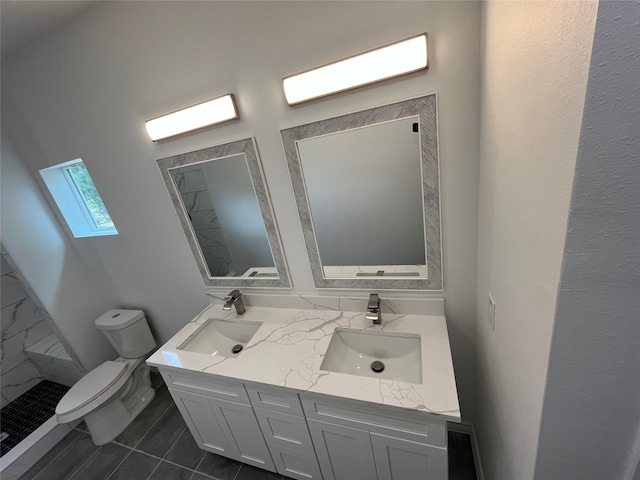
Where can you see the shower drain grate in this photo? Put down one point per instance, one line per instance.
(27, 412)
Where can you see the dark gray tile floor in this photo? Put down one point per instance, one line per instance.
(158, 446)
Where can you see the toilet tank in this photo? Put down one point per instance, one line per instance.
(128, 332)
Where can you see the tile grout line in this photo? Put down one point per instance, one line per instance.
(172, 445)
(54, 458)
(200, 462)
(73, 472)
(118, 466)
(174, 463)
(162, 415)
(159, 458)
(126, 446)
(153, 471)
(145, 433)
(238, 472)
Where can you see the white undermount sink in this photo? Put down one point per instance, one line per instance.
(392, 356)
(224, 338)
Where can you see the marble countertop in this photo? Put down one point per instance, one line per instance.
(289, 346)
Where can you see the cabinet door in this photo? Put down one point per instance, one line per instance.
(200, 416)
(344, 453)
(242, 427)
(399, 459)
(225, 428)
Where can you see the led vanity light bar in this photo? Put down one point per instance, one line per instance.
(202, 115)
(393, 60)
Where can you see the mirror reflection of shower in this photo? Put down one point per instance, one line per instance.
(221, 203)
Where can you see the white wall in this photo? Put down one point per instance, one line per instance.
(590, 427)
(535, 64)
(86, 89)
(66, 288)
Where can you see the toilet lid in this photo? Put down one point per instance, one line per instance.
(91, 386)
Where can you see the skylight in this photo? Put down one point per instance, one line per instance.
(78, 199)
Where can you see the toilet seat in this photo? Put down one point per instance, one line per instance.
(91, 387)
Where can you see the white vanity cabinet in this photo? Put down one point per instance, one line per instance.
(308, 436)
(284, 427)
(357, 440)
(220, 417)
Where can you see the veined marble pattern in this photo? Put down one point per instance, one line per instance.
(50, 349)
(53, 361)
(211, 237)
(19, 316)
(204, 221)
(288, 349)
(24, 324)
(425, 305)
(20, 379)
(12, 289)
(4, 266)
(13, 348)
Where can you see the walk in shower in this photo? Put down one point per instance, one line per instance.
(36, 370)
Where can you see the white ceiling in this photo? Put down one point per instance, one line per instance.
(23, 20)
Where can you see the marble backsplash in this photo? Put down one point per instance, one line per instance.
(425, 305)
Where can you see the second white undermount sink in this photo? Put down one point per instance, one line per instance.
(224, 338)
(392, 356)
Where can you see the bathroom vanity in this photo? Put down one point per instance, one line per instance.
(295, 400)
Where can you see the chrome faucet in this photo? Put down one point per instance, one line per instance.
(234, 298)
(373, 309)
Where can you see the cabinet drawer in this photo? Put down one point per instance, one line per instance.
(210, 385)
(277, 399)
(289, 431)
(386, 420)
(295, 464)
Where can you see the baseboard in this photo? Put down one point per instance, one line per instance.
(467, 428)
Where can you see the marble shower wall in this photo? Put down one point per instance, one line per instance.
(23, 324)
(204, 219)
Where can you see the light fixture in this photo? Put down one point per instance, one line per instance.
(380, 64)
(202, 115)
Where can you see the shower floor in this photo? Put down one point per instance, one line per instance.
(27, 412)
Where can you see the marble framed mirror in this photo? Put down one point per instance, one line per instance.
(221, 198)
(367, 192)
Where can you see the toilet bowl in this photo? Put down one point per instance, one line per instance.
(112, 395)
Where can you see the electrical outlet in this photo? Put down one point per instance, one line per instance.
(492, 312)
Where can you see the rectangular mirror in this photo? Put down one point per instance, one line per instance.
(367, 192)
(222, 201)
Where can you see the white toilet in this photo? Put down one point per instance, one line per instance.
(113, 394)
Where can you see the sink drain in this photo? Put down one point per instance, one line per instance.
(236, 348)
(377, 366)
